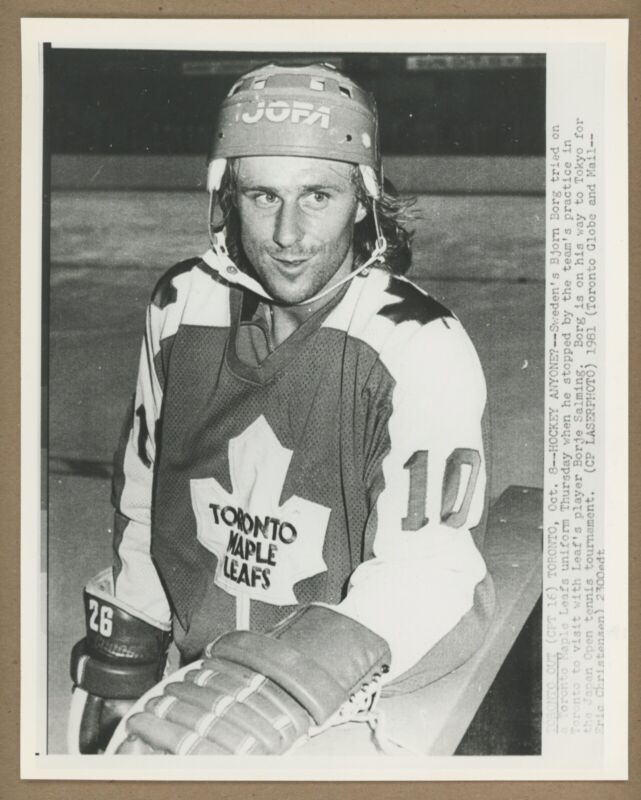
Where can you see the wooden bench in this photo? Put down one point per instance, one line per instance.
(433, 720)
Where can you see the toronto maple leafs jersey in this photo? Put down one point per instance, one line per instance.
(343, 467)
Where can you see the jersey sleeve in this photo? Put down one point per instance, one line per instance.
(136, 579)
(425, 588)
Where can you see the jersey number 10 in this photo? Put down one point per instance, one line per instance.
(459, 482)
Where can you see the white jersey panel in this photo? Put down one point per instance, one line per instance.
(207, 302)
(422, 579)
(137, 583)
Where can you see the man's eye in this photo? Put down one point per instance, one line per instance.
(316, 200)
(265, 199)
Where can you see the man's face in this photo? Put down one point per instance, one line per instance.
(297, 219)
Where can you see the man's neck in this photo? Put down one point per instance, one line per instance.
(287, 319)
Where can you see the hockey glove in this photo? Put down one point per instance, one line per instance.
(121, 657)
(262, 693)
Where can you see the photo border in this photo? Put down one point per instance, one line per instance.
(10, 471)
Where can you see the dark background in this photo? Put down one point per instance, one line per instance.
(138, 102)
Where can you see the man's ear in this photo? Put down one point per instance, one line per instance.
(361, 211)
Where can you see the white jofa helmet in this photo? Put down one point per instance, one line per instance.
(312, 111)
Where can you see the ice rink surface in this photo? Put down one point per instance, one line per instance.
(481, 255)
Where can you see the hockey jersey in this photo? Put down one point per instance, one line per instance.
(343, 467)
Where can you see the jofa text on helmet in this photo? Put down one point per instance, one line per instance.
(280, 110)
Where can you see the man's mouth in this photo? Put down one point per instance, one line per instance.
(291, 262)
(298, 260)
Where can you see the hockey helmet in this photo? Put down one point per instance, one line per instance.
(312, 111)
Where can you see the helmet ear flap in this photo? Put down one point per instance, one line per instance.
(370, 181)
(215, 172)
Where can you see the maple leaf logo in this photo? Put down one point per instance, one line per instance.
(262, 548)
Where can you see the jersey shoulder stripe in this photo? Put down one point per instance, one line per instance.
(165, 291)
(383, 311)
(190, 293)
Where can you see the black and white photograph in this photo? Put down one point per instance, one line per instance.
(302, 336)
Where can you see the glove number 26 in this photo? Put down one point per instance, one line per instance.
(459, 482)
(100, 618)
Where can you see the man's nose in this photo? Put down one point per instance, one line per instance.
(287, 230)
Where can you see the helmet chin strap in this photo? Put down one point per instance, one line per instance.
(218, 259)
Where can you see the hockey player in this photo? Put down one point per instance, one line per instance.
(302, 466)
